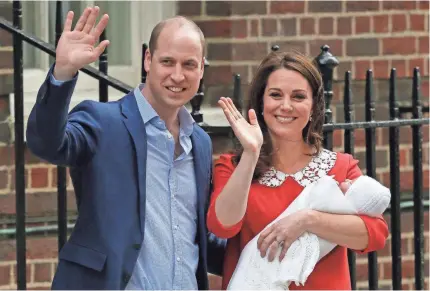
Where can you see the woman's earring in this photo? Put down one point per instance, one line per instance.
(310, 118)
(262, 113)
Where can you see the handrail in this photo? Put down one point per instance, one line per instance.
(50, 49)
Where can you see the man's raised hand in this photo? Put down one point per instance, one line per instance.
(76, 48)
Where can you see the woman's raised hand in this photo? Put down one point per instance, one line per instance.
(248, 133)
(77, 48)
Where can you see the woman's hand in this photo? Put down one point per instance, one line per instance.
(248, 134)
(282, 234)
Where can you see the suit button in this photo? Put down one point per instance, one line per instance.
(126, 277)
(136, 246)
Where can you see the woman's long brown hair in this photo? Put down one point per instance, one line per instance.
(312, 133)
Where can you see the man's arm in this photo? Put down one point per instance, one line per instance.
(55, 135)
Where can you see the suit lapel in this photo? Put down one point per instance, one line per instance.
(135, 126)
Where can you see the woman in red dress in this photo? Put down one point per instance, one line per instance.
(281, 152)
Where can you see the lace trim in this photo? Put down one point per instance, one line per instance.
(318, 167)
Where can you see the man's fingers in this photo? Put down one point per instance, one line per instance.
(100, 48)
(97, 31)
(68, 22)
(91, 20)
(83, 19)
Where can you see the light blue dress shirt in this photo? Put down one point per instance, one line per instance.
(169, 254)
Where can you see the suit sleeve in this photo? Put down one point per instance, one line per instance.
(222, 172)
(377, 228)
(56, 136)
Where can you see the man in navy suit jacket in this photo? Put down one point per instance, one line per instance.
(141, 168)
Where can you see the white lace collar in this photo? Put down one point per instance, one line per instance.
(319, 166)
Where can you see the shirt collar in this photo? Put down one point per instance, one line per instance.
(186, 121)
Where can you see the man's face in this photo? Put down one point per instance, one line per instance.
(175, 68)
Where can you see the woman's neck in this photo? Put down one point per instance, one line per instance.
(291, 156)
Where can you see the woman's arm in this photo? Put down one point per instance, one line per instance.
(231, 203)
(345, 230)
(230, 206)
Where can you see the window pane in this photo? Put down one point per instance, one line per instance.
(118, 31)
(30, 25)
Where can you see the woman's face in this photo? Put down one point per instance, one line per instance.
(287, 104)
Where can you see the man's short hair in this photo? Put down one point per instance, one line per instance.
(178, 20)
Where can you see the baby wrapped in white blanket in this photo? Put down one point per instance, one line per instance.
(365, 196)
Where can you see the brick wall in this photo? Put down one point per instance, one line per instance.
(364, 34)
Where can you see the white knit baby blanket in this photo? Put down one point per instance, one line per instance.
(365, 196)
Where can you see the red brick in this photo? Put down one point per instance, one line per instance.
(362, 24)
(248, 7)
(307, 26)
(362, 47)
(12, 178)
(381, 23)
(344, 26)
(381, 69)
(249, 51)
(5, 275)
(288, 27)
(218, 8)
(361, 272)
(398, 5)
(42, 272)
(291, 45)
(361, 67)
(336, 46)
(425, 87)
(423, 45)
(386, 251)
(223, 28)
(359, 137)
(398, 46)
(404, 155)
(408, 269)
(338, 138)
(362, 6)
(269, 27)
(419, 62)
(6, 59)
(326, 25)
(189, 8)
(400, 66)
(217, 75)
(27, 271)
(424, 4)
(417, 22)
(254, 27)
(7, 155)
(4, 179)
(398, 22)
(39, 177)
(283, 7)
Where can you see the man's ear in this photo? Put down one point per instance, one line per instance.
(148, 60)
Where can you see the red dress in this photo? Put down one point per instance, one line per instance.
(270, 196)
